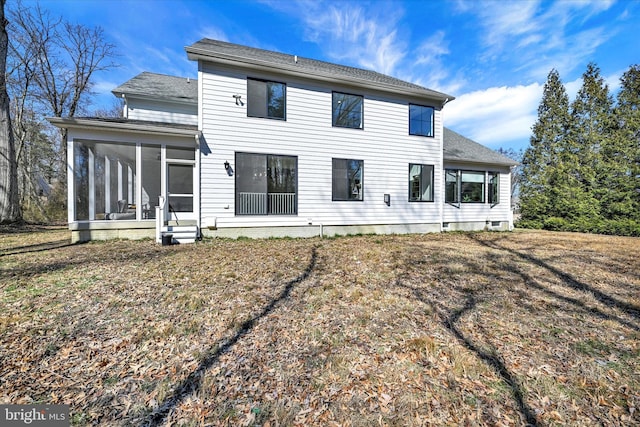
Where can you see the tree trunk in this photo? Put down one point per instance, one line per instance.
(10, 211)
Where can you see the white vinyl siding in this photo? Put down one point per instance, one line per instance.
(166, 112)
(383, 145)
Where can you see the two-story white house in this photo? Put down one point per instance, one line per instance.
(271, 144)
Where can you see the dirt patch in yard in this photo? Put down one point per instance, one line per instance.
(481, 328)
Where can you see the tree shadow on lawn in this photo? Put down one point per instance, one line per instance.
(570, 282)
(490, 356)
(193, 382)
(38, 247)
(82, 255)
(451, 308)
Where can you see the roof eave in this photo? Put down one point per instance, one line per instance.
(195, 54)
(73, 123)
(185, 101)
(479, 162)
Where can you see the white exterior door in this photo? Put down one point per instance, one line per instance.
(180, 191)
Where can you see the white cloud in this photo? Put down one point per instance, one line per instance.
(214, 33)
(350, 33)
(496, 115)
(540, 36)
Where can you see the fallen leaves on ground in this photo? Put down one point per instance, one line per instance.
(451, 329)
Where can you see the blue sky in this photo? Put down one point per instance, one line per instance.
(493, 56)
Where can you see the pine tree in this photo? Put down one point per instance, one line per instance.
(590, 135)
(622, 155)
(543, 190)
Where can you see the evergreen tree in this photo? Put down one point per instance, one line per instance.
(590, 135)
(622, 154)
(543, 190)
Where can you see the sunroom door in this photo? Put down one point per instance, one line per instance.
(180, 184)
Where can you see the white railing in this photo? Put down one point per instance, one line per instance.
(252, 204)
(282, 203)
(263, 203)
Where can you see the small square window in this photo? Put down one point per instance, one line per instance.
(266, 99)
(420, 120)
(347, 110)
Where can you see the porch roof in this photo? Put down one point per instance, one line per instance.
(125, 125)
(461, 149)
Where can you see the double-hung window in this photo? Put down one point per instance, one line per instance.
(421, 120)
(266, 184)
(347, 110)
(266, 99)
(347, 180)
(420, 183)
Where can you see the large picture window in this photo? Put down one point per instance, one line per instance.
(420, 183)
(266, 99)
(347, 110)
(347, 180)
(472, 187)
(464, 186)
(266, 184)
(420, 120)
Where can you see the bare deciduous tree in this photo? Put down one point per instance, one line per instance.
(9, 198)
(52, 67)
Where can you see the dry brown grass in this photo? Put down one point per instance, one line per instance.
(477, 329)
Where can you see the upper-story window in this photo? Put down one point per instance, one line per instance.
(347, 110)
(421, 120)
(266, 99)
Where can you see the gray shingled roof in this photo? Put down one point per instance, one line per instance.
(122, 124)
(462, 149)
(160, 86)
(215, 50)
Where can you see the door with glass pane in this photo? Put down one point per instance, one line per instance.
(180, 192)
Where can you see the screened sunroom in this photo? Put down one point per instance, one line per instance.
(124, 176)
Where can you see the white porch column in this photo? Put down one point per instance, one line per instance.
(138, 182)
(130, 188)
(71, 182)
(92, 183)
(107, 184)
(120, 183)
